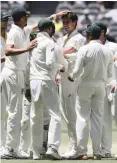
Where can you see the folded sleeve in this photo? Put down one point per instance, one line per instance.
(11, 38)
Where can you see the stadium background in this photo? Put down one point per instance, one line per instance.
(88, 12)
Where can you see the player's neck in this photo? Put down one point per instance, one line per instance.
(103, 40)
(69, 33)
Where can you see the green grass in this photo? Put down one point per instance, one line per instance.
(63, 147)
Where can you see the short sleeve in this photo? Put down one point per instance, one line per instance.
(11, 38)
(28, 30)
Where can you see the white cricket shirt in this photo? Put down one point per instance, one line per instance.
(94, 63)
(44, 58)
(19, 38)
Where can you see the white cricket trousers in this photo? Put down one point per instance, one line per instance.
(13, 86)
(44, 95)
(67, 92)
(106, 142)
(89, 107)
(25, 136)
(115, 104)
(3, 116)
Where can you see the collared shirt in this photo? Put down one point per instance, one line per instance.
(19, 38)
(94, 63)
(2, 48)
(75, 40)
(115, 68)
(44, 58)
(112, 46)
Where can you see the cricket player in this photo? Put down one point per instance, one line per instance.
(44, 91)
(115, 92)
(25, 141)
(67, 90)
(108, 101)
(4, 22)
(17, 51)
(94, 65)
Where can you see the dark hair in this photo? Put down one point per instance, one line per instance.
(72, 16)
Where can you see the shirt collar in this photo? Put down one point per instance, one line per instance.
(73, 33)
(95, 41)
(17, 27)
(45, 34)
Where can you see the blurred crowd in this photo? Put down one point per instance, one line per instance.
(91, 12)
(88, 12)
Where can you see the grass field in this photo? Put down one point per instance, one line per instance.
(63, 147)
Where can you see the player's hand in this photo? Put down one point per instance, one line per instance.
(58, 78)
(32, 45)
(113, 88)
(61, 13)
(70, 78)
(62, 69)
(66, 56)
(114, 58)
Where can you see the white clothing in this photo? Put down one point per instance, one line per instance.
(2, 50)
(67, 90)
(112, 46)
(41, 64)
(13, 84)
(108, 104)
(94, 66)
(115, 104)
(19, 38)
(25, 136)
(48, 95)
(86, 58)
(44, 92)
(3, 114)
(115, 93)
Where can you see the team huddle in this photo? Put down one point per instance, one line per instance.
(43, 81)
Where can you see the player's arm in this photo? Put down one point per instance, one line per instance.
(69, 50)
(52, 17)
(72, 51)
(59, 14)
(12, 51)
(78, 66)
(115, 57)
(69, 53)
